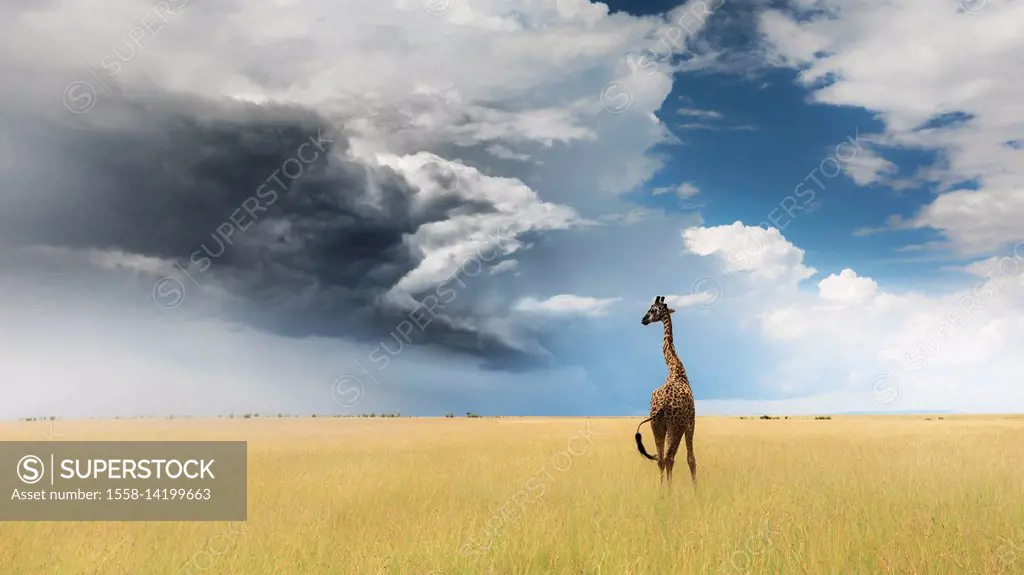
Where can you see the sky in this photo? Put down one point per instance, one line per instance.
(468, 205)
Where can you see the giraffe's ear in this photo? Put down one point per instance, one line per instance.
(671, 311)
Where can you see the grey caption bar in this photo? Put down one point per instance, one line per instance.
(123, 480)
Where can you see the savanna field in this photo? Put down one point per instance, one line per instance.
(856, 494)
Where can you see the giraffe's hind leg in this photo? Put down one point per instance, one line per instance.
(659, 427)
(690, 459)
(675, 436)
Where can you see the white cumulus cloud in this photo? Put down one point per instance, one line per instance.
(846, 287)
(738, 247)
(941, 79)
(567, 304)
(947, 349)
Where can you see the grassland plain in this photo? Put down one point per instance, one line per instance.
(850, 495)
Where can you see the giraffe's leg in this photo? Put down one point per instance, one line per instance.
(675, 436)
(659, 427)
(690, 459)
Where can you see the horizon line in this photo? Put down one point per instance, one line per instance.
(398, 415)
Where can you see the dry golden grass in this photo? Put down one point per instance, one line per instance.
(536, 495)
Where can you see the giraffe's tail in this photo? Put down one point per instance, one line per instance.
(640, 441)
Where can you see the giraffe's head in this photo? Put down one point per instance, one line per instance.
(658, 312)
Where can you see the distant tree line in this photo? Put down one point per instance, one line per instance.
(448, 415)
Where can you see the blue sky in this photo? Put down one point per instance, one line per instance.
(745, 174)
(452, 121)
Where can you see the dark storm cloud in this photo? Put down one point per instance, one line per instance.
(243, 195)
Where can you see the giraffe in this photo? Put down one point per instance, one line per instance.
(672, 411)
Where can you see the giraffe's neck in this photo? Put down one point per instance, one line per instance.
(668, 348)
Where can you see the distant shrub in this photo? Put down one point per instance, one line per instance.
(823, 417)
